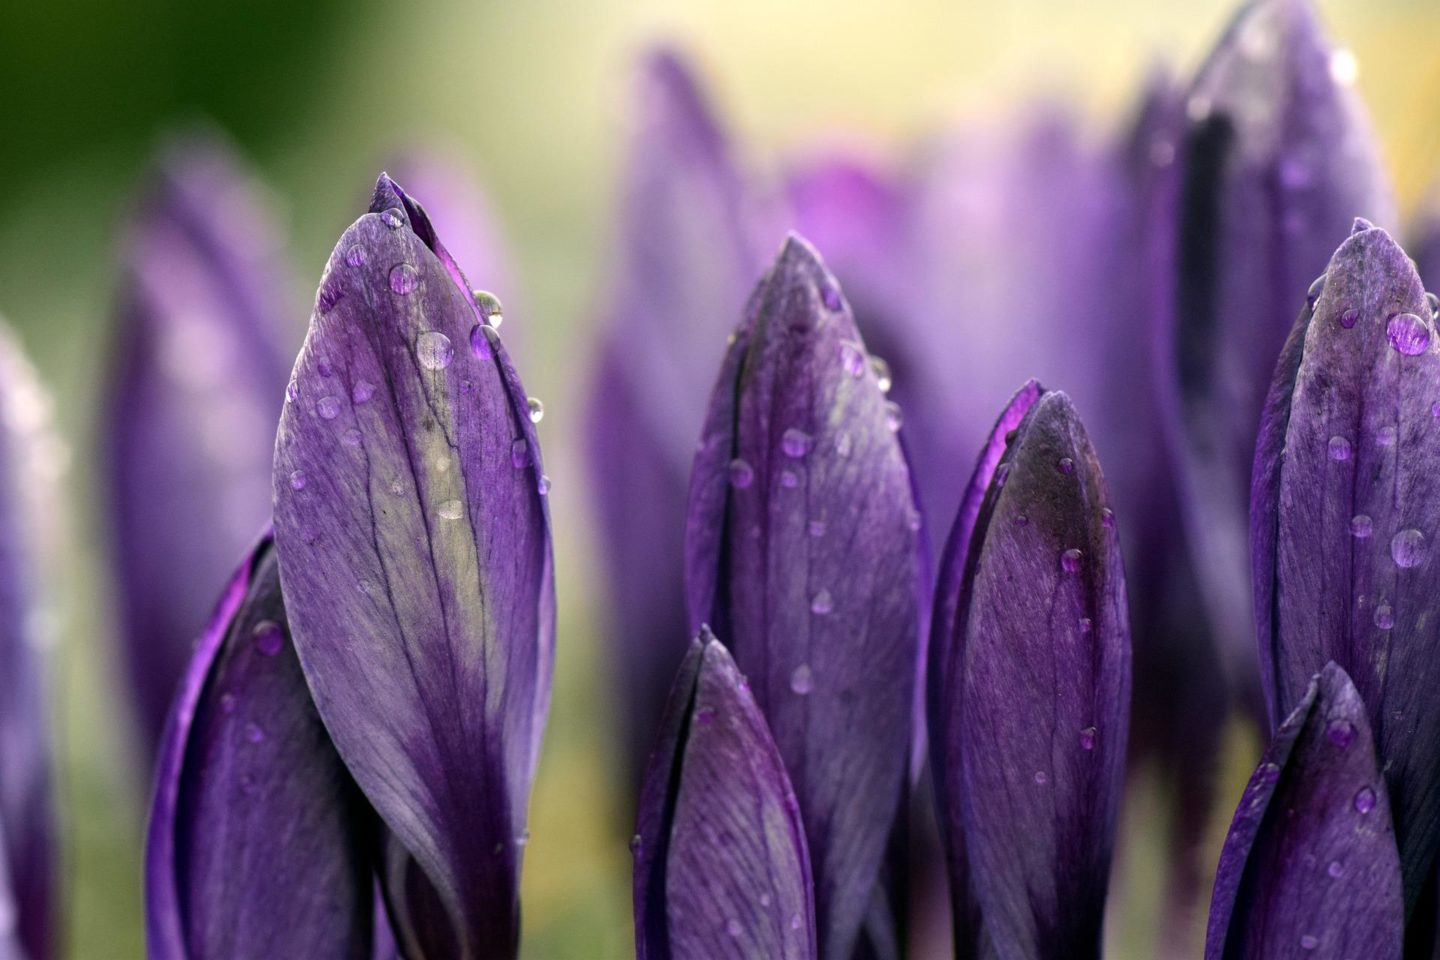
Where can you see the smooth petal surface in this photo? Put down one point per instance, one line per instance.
(721, 865)
(1276, 160)
(803, 553)
(1309, 867)
(202, 342)
(685, 263)
(1031, 686)
(259, 843)
(413, 532)
(31, 460)
(1346, 484)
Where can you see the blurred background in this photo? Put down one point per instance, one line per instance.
(531, 99)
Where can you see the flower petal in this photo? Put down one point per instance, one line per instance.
(803, 553)
(1345, 485)
(1276, 160)
(1309, 867)
(1031, 687)
(259, 843)
(198, 380)
(685, 263)
(413, 532)
(721, 866)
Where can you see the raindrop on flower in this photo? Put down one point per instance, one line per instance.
(1316, 288)
(351, 437)
(393, 218)
(1086, 625)
(636, 845)
(852, 358)
(1385, 436)
(1341, 733)
(1065, 465)
(893, 416)
(269, 637)
(451, 510)
(881, 369)
(356, 256)
(489, 306)
(795, 442)
(1435, 409)
(1070, 560)
(1433, 302)
(1384, 616)
(741, 474)
(801, 680)
(1408, 334)
(1349, 318)
(830, 296)
(535, 408)
(1364, 800)
(822, 603)
(1361, 526)
(297, 480)
(1269, 772)
(1107, 518)
(1407, 548)
(324, 368)
(328, 408)
(1309, 942)
(1339, 448)
(434, 350)
(520, 453)
(479, 342)
(403, 279)
(362, 391)
(1041, 778)
(542, 486)
(292, 391)
(1336, 870)
(1087, 738)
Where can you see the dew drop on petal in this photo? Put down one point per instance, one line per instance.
(1336, 870)
(1385, 436)
(852, 358)
(1070, 560)
(1269, 772)
(362, 391)
(741, 473)
(1086, 624)
(393, 218)
(893, 417)
(822, 603)
(479, 342)
(451, 510)
(403, 279)
(297, 480)
(489, 306)
(1361, 526)
(1087, 738)
(1339, 448)
(269, 637)
(1309, 942)
(292, 391)
(1407, 548)
(795, 442)
(1041, 778)
(356, 256)
(830, 296)
(434, 350)
(1349, 318)
(881, 369)
(1433, 302)
(542, 486)
(1384, 616)
(802, 681)
(1107, 518)
(351, 437)
(1364, 800)
(1435, 409)
(535, 409)
(1021, 520)
(636, 845)
(1408, 334)
(324, 369)
(1318, 286)
(328, 408)
(520, 453)
(1341, 733)
(1065, 465)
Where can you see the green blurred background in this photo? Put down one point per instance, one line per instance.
(532, 96)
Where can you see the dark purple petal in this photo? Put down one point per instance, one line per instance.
(1276, 160)
(1031, 688)
(30, 461)
(684, 265)
(1309, 867)
(1346, 482)
(259, 843)
(721, 865)
(198, 380)
(413, 533)
(803, 553)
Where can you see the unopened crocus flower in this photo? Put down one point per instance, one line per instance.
(30, 458)
(199, 377)
(1344, 520)
(259, 843)
(684, 264)
(721, 865)
(1275, 160)
(413, 534)
(1030, 689)
(802, 552)
(1309, 868)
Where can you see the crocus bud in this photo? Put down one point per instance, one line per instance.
(1030, 688)
(1276, 159)
(413, 532)
(30, 460)
(198, 380)
(259, 842)
(684, 264)
(1309, 867)
(1344, 520)
(803, 552)
(721, 866)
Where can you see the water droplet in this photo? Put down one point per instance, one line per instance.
(789, 480)
(1336, 870)
(356, 256)
(520, 453)
(1361, 526)
(822, 603)
(292, 391)
(1316, 288)
(852, 358)
(227, 702)
(542, 486)
(1341, 733)
(1065, 465)
(1435, 409)
(801, 680)
(535, 408)
(1384, 616)
(816, 528)
(1107, 518)
(253, 733)
(297, 480)
(741, 474)
(328, 408)
(733, 928)
(1041, 778)
(403, 279)
(1433, 302)
(1364, 800)
(451, 510)
(1349, 318)
(351, 437)
(324, 369)
(1339, 448)
(705, 716)
(881, 369)
(393, 218)
(479, 342)
(893, 416)
(830, 296)
(1309, 942)
(636, 845)
(1408, 334)
(489, 307)
(362, 391)
(1070, 561)
(1385, 436)
(1269, 772)
(1021, 520)
(269, 637)
(1407, 548)
(795, 442)
(1086, 624)
(1087, 738)
(434, 350)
